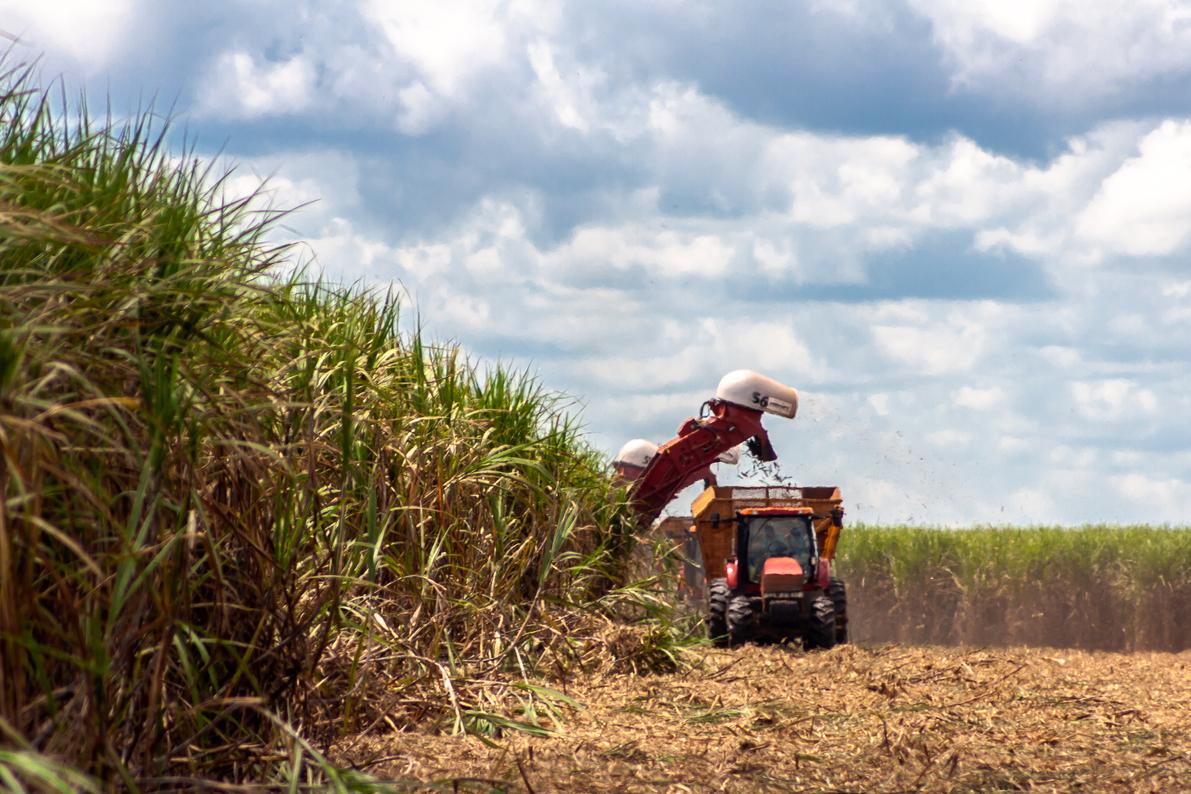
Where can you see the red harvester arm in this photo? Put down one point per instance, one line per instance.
(687, 458)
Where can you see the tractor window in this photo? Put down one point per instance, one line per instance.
(779, 536)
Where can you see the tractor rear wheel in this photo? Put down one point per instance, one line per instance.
(820, 625)
(717, 611)
(742, 620)
(839, 599)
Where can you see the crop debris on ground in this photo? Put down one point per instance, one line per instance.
(863, 719)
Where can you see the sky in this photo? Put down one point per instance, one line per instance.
(960, 229)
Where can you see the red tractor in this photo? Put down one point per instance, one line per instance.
(777, 583)
(766, 551)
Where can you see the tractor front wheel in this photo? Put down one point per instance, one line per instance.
(717, 611)
(742, 620)
(820, 628)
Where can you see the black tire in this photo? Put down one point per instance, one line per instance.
(839, 599)
(717, 611)
(742, 620)
(820, 625)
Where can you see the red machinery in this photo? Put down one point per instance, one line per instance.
(766, 552)
(731, 418)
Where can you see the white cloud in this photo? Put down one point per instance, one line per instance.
(1013, 445)
(1144, 208)
(774, 258)
(1113, 400)
(240, 87)
(933, 347)
(644, 365)
(834, 180)
(324, 184)
(410, 65)
(978, 399)
(879, 403)
(1065, 50)
(631, 236)
(949, 438)
(449, 42)
(1168, 497)
(339, 242)
(883, 500)
(1177, 290)
(668, 253)
(90, 33)
(451, 47)
(815, 206)
(969, 186)
(569, 98)
(420, 109)
(707, 350)
(1121, 188)
(1033, 506)
(1089, 207)
(1061, 356)
(427, 260)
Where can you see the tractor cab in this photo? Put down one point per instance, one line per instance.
(775, 584)
(776, 551)
(783, 540)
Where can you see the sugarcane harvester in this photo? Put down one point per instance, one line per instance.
(766, 550)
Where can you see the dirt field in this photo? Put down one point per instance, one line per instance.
(885, 718)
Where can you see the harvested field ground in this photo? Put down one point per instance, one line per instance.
(882, 718)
